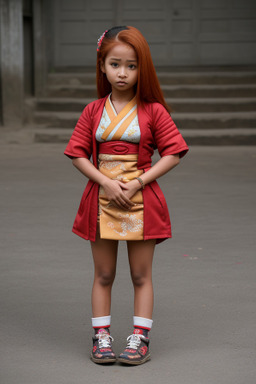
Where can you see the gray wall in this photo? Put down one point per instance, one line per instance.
(11, 64)
(179, 32)
(63, 33)
(23, 65)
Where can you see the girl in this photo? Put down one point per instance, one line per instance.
(122, 200)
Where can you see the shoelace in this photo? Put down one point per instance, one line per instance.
(105, 340)
(134, 341)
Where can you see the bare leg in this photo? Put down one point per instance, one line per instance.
(105, 257)
(140, 258)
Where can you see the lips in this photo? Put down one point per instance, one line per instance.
(121, 83)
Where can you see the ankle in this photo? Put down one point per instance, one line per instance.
(101, 330)
(142, 325)
(101, 324)
(141, 331)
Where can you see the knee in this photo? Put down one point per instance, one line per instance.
(139, 279)
(106, 278)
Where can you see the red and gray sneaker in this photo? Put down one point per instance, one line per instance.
(102, 352)
(136, 351)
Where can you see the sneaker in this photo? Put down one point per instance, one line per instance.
(137, 350)
(102, 348)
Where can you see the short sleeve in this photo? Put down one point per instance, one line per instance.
(80, 143)
(168, 139)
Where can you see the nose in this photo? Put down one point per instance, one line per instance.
(122, 72)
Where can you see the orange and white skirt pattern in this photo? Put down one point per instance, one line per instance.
(116, 223)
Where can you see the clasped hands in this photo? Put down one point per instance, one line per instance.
(119, 193)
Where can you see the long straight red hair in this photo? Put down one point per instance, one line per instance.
(148, 88)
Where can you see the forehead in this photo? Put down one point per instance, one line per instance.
(123, 52)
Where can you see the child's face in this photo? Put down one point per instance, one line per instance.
(121, 68)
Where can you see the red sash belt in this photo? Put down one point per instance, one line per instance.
(118, 147)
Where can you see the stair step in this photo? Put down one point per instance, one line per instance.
(174, 91)
(177, 105)
(213, 104)
(52, 135)
(210, 105)
(73, 79)
(208, 78)
(210, 91)
(185, 120)
(65, 90)
(170, 77)
(220, 137)
(218, 120)
(62, 104)
(192, 137)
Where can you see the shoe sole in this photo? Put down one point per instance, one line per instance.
(131, 362)
(102, 361)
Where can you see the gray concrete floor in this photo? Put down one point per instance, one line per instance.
(204, 318)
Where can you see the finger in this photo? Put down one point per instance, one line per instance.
(124, 206)
(122, 185)
(127, 200)
(119, 202)
(120, 205)
(126, 203)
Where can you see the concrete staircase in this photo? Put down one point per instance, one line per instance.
(210, 107)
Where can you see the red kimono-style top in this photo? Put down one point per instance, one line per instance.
(158, 131)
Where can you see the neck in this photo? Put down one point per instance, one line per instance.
(122, 97)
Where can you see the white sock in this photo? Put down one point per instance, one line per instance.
(142, 322)
(101, 322)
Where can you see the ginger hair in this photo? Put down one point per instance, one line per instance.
(148, 88)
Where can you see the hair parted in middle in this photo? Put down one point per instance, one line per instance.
(148, 88)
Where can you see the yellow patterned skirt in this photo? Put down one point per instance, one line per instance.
(115, 223)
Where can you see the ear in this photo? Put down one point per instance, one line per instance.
(102, 67)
